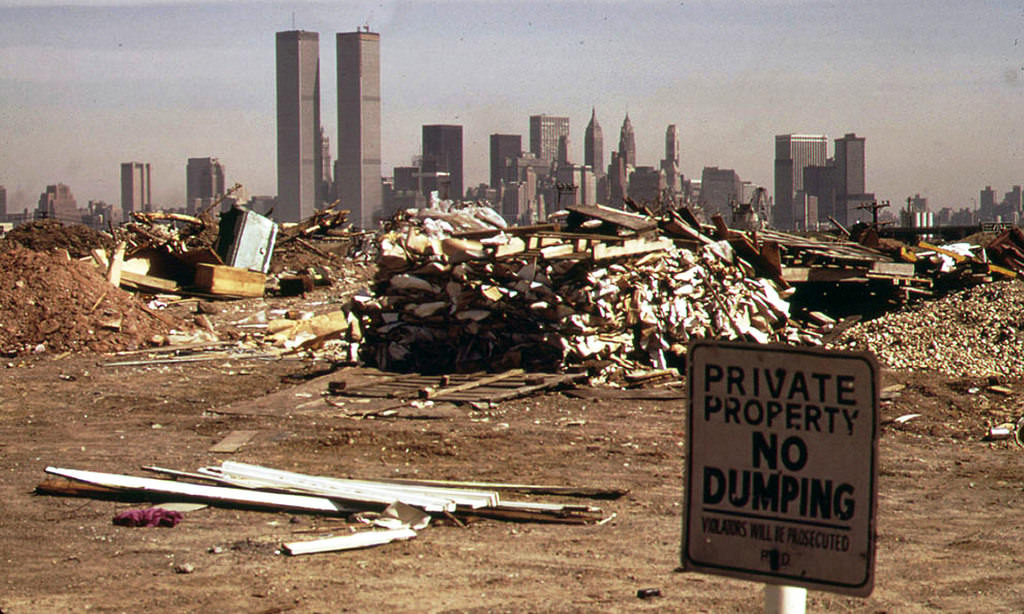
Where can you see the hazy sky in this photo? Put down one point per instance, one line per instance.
(935, 87)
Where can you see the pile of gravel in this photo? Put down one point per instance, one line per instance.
(977, 332)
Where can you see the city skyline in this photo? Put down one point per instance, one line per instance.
(89, 87)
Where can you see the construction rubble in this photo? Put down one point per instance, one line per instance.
(453, 289)
(607, 294)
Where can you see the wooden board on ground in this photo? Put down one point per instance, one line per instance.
(229, 281)
(232, 442)
(459, 388)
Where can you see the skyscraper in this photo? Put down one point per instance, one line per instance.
(544, 133)
(670, 164)
(299, 167)
(357, 172)
(794, 152)
(850, 169)
(204, 183)
(326, 168)
(442, 153)
(58, 203)
(593, 145)
(627, 143)
(135, 189)
(505, 148)
(563, 150)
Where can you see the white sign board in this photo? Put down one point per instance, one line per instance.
(781, 465)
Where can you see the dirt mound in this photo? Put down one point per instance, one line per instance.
(43, 235)
(50, 303)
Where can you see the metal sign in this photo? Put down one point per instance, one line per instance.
(781, 465)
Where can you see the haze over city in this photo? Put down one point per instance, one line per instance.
(932, 87)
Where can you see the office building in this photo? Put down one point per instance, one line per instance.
(442, 153)
(357, 171)
(820, 204)
(627, 143)
(647, 185)
(793, 153)
(326, 168)
(299, 167)
(58, 203)
(545, 130)
(719, 189)
(204, 183)
(136, 191)
(851, 192)
(505, 148)
(670, 163)
(618, 181)
(593, 145)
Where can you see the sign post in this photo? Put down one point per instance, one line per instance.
(781, 468)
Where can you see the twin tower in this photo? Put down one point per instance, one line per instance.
(303, 168)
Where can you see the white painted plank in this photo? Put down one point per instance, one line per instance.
(210, 493)
(349, 542)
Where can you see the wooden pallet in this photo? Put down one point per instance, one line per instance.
(456, 388)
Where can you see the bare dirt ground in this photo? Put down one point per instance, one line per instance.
(950, 505)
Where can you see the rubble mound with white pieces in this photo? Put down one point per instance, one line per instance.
(977, 332)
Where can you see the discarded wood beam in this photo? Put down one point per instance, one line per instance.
(209, 494)
(530, 489)
(630, 221)
(232, 442)
(116, 262)
(428, 392)
(221, 280)
(631, 247)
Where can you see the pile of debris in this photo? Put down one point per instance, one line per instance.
(43, 235)
(50, 302)
(388, 509)
(604, 290)
(976, 332)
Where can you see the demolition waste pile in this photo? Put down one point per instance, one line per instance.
(453, 289)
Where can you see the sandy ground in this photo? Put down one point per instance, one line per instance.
(950, 504)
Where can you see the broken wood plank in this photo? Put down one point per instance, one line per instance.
(364, 539)
(221, 280)
(630, 247)
(116, 264)
(139, 281)
(232, 442)
(210, 494)
(531, 489)
(630, 221)
(429, 393)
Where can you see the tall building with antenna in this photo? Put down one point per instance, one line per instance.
(299, 165)
(357, 171)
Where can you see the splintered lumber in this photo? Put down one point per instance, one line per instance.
(364, 539)
(209, 494)
(631, 247)
(222, 280)
(630, 221)
(116, 263)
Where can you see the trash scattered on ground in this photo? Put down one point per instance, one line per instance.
(399, 507)
(148, 517)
